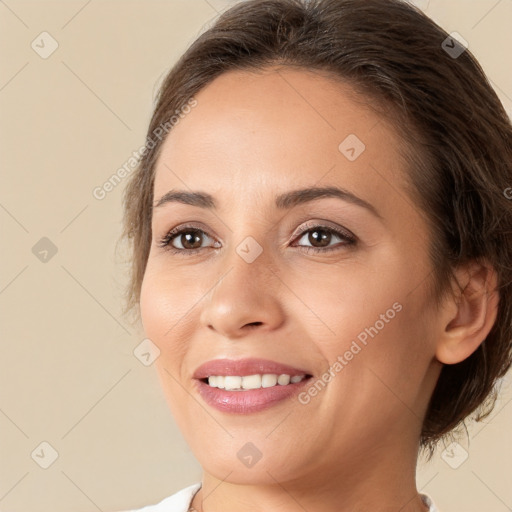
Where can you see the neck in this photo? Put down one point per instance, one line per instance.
(383, 482)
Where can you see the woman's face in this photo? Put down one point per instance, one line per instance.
(245, 281)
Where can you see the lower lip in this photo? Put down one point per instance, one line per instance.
(251, 400)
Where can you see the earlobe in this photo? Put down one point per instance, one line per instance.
(470, 316)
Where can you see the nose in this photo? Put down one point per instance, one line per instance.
(245, 296)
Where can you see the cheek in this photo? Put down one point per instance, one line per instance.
(384, 358)
(154, 309)
(340, 301)
(163, 307)
(164, 322)
(374, 319)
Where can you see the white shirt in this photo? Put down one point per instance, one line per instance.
(180, 502)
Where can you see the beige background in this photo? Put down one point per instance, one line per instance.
(68, 375)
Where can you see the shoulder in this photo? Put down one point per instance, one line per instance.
(179, 502)
(429, 503)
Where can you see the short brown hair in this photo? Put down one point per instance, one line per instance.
(457, 131)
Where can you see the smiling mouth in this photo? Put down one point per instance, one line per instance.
(250, 385)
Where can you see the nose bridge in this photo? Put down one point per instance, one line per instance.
(250, 263)
(247, 271)
(250, 246)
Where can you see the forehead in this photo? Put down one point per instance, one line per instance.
(256, 133)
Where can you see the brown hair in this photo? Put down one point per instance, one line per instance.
(458, 135)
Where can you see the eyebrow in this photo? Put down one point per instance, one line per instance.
(283, 201)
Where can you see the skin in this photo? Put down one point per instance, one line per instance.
(354, 446)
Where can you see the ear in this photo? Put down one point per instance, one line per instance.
(470, 315)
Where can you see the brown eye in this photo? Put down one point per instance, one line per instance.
(190, 239)
(186, 240)
(320, 238)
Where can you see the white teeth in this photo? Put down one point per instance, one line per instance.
(232, 383)
(283, 379)
(237, 383)
(268, 380)
(251, 382)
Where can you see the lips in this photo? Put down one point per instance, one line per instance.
(248, 401)
(245, 367)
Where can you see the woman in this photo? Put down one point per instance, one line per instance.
(321, 247)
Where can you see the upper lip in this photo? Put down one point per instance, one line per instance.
(244, 367)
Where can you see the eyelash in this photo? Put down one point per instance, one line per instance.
(165, 242)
